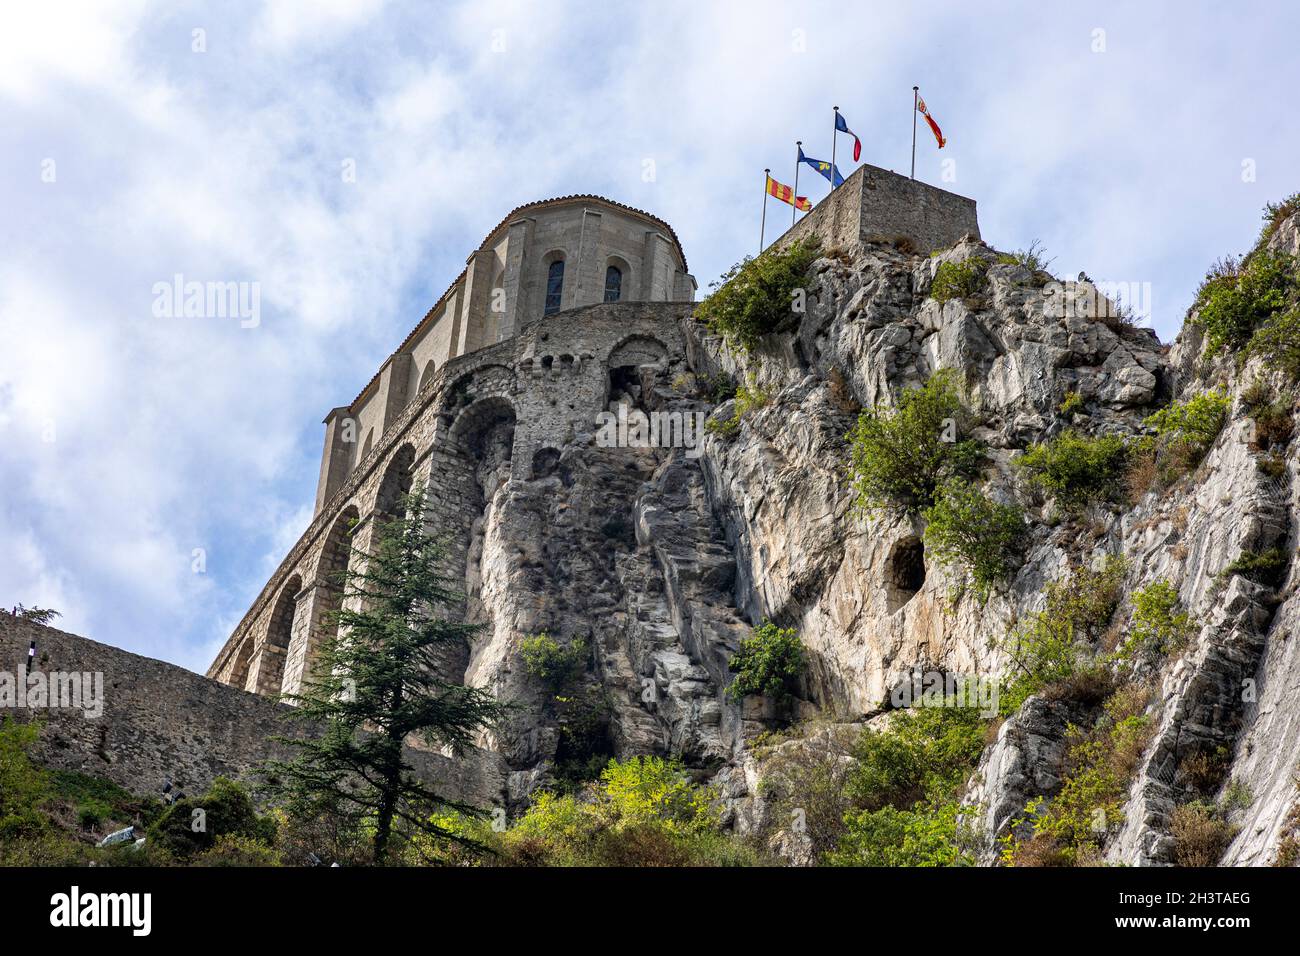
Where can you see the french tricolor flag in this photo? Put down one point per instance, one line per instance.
(843, 127)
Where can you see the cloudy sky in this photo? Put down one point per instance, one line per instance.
(145, 140)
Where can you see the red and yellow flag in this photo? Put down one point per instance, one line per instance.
(934, 127)
(786, 194)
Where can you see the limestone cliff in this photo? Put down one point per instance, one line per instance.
(663, 560)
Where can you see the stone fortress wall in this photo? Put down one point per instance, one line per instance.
(162, 722)
(876, 205)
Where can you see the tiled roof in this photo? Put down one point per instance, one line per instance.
(514, 213)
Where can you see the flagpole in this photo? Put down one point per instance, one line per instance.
(835, 128)
(798, 143)
(762, 227)
(915, 90)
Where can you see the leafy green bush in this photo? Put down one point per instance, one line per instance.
(928, 834)
(1078, 468)
(1266, 568)
(1051, 649)
(1187, 430)
(769, 661)
(24, 786)
(1237, 297)
(1158, 626)
(924, 753)
(1274, 215)
(1072, 404)
(193, 824)
(748, 398)
(1270, 413)
(643, 812)
(967, 528)
(555, 665)
(906, 783)
(755, 297)
(234, 849)
(959, 280)
(901, 458)
(1277, 342)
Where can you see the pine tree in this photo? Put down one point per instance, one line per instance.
(377, 680)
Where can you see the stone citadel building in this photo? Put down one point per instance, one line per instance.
(563, 299)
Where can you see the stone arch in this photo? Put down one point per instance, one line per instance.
(426, 376)
(395, 483)
(468, 464)
(638, 349)
(279, 635)
(243, 660)
(483, 434)
(624, 380)
(334, 559)
(365, 446)
(483, 382)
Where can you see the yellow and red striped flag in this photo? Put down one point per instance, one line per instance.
(934, 127)
(786, 194)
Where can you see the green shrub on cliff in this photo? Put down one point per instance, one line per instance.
(644, 811)
(1238, 296)
(1077, 468)
(554, 664)
(899, 458)
(759, 296)
(905, 787)
(959, 280)
(1186, 430)
(967, 528)
(769, 661)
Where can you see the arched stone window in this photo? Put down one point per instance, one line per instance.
(554, 287)
(427, 375)
(396, 483)
(613, 283)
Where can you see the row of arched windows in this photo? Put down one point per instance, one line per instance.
(555, 286)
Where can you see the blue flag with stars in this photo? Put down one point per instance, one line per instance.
(826, 169)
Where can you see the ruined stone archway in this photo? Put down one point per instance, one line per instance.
(626, 381)
(279, 635)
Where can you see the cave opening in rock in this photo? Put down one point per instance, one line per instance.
(905, 573)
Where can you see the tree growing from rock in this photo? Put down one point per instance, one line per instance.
(378, 681)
